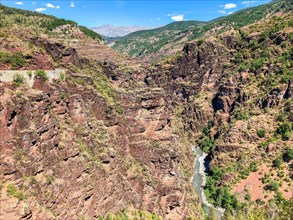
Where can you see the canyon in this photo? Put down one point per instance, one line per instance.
(113, 139)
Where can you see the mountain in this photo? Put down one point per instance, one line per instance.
(87, 133)
(117, 31)
(46, 23)
(148, 41)
(164, 41)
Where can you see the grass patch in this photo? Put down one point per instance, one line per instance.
(18, 79)
(15, 60)
(14, 192)
(42, 74)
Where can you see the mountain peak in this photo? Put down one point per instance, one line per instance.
(109, 30)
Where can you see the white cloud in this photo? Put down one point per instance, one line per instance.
(177, 17)
(247, 2)
(72, 5)
(19, 3)
(230, 6)
(33, 3)
(40, 9)
(49, 5)
(158, 19)
(231, 12)
(222, 11)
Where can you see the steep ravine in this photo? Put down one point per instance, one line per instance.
(199, 182)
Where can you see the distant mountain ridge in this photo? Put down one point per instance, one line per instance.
(152, 44)
(145, 42)
(118, 31)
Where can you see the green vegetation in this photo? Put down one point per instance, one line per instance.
(220, 195)
(205, 142)
(285, 130)
(56, 22)
(42, 74)
(273, 186)
(30, 74)
(18, 79)
(62, 76)
(15, 60)
(261, 133)
(90, 33)
(103, 87)
(288, 155)
(14, 192)
(244, 115)
(266, 179)
(150, 41)
(253, 167)
(277, 162)
(142, 43)
(11, 16)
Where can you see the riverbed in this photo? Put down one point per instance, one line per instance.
(199, 180)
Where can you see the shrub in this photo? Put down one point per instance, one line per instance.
(242, 115)
(13, 191)
(266, 179)
(206, 144)
(200, 42)
(277, 163)
(18, 79)
(273, 186)
(30, 74)
(242, 67)
(288, 155)
(259, 202)
(281, 117)
(261, 133)
(253, 167)
(16, 60)
(248, 197)
(284, 130)
(256, 64)
(281, 174)
(42, 74)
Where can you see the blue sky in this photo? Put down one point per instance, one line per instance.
(132, 12)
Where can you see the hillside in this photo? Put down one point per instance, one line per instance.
(112, 137)
(149, 41)
(137, 44)
(40, 23)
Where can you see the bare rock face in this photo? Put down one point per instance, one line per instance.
(225, 98)
(62, 146)
(58, 52)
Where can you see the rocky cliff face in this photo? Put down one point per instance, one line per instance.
(81, 148)
(63, 146)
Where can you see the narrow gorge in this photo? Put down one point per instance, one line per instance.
(108, 136)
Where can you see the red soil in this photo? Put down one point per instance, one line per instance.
(254, 186)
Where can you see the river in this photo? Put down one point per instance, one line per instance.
(199, 180)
